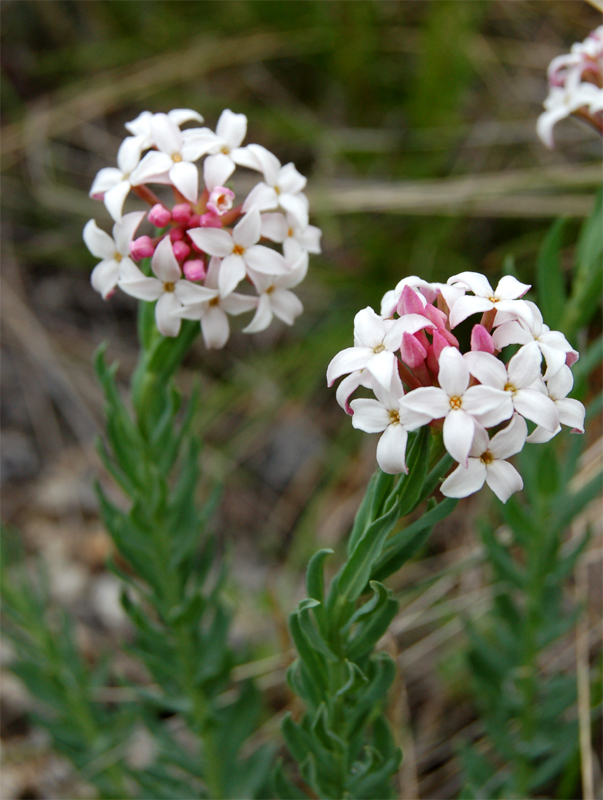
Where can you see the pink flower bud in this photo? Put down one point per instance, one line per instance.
(220, 200)
(141, 248)
(194, 221)
(435, 315)
(194, 270)
(159, 216)
(440, 341)
(176, 234)
(181, 250)
(210, 220)
(409, 302)
(412, 351)
(181, 213)
(481, 340)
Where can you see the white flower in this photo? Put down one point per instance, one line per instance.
(552, 344)
(224, 147)
(383, 415)
(114, 183)
(141, 126)
(213, 311)
(504, 298)
(168, 288)
(239, 251)
(564, 101)
(486, 463)
(282, 186)
(295, 238)
(274, 297)
(571, 412)
(517, 381)
(172, 161)
(375, 342)
(348, 386)
(115, 251)
(457, 403)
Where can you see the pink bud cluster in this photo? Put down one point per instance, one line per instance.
(575, 87)
(411, 361)
(203, 244)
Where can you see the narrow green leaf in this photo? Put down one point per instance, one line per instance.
(282, 786)
(372, 629)
(550, 283)
(313, 661)
(315, 576)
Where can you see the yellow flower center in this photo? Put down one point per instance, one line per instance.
(456, 403)
(487, 457)
(379, 349)
(168, 287)
(176, 157)
(290, 232)
(493, 299)
(270, 289)
(237, 250)
(215, 301)
(394, 418)
(118, 257)
(225, 150)
(510, 388)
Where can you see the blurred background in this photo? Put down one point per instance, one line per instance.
(415, 124)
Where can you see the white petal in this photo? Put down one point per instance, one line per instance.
(555, 359)
(274, 227)
(106, 179)
(571, 413)
(181, 115)
(310, 239)
(466, 306)
(232, 272)
(267, 162)
(509, 288)
(429, 401)
(168, 323)
(232, 128)
(285, 305)
(475, 282)
(369, 328)
(487, 369)
(540, 435)
(151, 166)
(215, 328)
(265, 260)
(214, 241)
(97, 241)
(247, 232)
(511, 439)
(104, 277)
(290, 181)
(489, 405)
(382, 366)
(453, 376)
(348, 360)
(391, 449)
(535, 406)
(465, 480)
(188, 292)
(561, 384)
(128, 154)
(503, 479)
(459, 428)
(369, 415)
(164, 263)
(346, 388)
(262, 196)
(166, 134)
(235, 304)
(524, 367)
(511, 333)
(262, 317)
(185, 177)
(217, 170)
(124, 230)
(143, 288)
(294, 204)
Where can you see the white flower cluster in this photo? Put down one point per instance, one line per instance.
(203, 244)
(575, 87)
(412, 362)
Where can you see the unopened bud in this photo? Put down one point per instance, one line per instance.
(481, 340)
(194, 270)
(181, 213)
(210, 220)
(176, 234)
(159, 216)
(181, 250)
(142, 248)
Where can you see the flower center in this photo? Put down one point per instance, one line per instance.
(168, 287)
(456, 403)
(215, 301)
(225, 150)
(270, 289)
(290, 232)
(277, 190)
(176, 157)
(487, 457)
(394, 417)
(379, 349)
(510, 388)
(493, 299)
(237, 250)
(118, 257)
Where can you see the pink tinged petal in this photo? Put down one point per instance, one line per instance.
(166, 134)
(168, 324)
(391, 449)
(235, 304)
(382, 366)
(511, 333)
(561, 384)
(164, 263)
(481, 340)
(185, 178)
(215, 328)
(524, 367)
(348, 360)
(503, 479)
(571, 413)
(511, 439)
(428, 401)
(232, 272)
(413, 353)
(124, 230)
(262, 196)
(474, 281)
(465, 481)
(104, 277)
(232, 128)
(285, 305)
(509, 288)
(188, 292)
(247, 232)
(370, 416)
(439, 342)
(488, 404)
(410, 302)
(128, 154)
(154, 164)
(217, 170)
(459, 428)
(181, 115)
(466, 306)
(97, 241)
(106, 179)
(540, 435)
(296, 206)
(290, 181)
(453, 376)
(487, 369)
(535, 406)
(440, 320)
(262, 317)
(213, 241)
(274, 227)
(346, 388)
(571, 357)
(263, 259)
